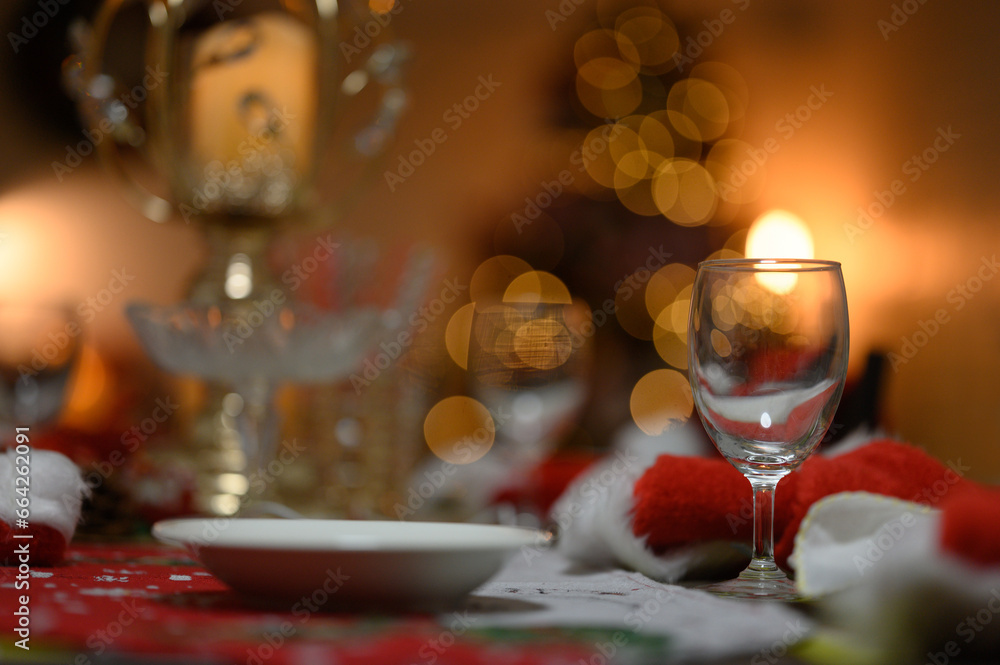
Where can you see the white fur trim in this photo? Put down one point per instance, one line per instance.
(595, 514)
(55, 490)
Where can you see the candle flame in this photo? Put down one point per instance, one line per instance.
(779, 234)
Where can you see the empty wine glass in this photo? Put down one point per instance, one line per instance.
(529, 364)
(768, 346)
(254, 349)
(38, 346)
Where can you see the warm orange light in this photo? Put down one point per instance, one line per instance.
(779, 234)
(458, 333)
(491, 279)
(537, 286)
(660, 400)
(459, 430)
(88, 401)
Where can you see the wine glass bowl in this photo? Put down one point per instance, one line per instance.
(253, 351)
(528, 363)
(768, 349)
(296, 341)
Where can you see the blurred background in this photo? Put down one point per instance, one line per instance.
(871, 125)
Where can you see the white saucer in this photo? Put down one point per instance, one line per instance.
(383, 565)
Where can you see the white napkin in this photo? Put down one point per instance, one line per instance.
(845, 537)
(875, 564)
(543, 588)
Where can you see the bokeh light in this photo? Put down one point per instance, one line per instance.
(647, 38)
(459, 430)
(661, 157)
(519, 344)
(490, 280)
(381, 6)
(543, 343)
(457, 334)
(684, 192)
(779, 234)
(537, 286)
(740, 178)
(666, 284)
(660, 400)
(698, 109)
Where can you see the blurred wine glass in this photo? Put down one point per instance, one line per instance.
(529, 364)
(253, 351)
(253, 347)
(39, 344)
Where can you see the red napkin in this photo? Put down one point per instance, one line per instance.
(44, 546)
(685, 500)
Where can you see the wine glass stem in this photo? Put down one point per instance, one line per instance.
(762, 565)
(259, 426)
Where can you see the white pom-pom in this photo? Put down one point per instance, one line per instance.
(55, 489)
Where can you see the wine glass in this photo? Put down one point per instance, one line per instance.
(253, 350)
(768, 346)
(529, 364)
(39, 344)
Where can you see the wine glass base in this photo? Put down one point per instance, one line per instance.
(753, 586)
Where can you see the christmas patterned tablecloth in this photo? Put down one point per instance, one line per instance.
(143, 602)
(125, 603)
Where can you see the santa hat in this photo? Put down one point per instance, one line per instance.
(54, 489)
(675, 516)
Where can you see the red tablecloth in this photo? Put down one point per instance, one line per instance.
(124, 602)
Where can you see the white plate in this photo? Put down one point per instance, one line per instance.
(345, 563)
